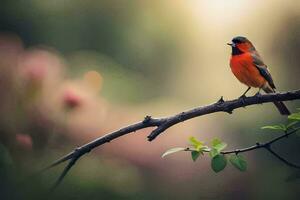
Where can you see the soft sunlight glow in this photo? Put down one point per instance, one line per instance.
(221, 13)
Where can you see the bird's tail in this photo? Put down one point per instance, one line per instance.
(279, 105)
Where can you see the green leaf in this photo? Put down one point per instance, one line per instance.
(275, 127)
(218, 163)
(196, 143)
(239, 162)
(205, 149)
(195, 155)
(218, 144)
(213, 152)
(173, 150)
(294, 116)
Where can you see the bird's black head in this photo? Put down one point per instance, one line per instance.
(239, 40)
(240, 45)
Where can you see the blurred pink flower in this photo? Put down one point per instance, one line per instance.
(24, 141)
(71, 100)
(40, 66)
(35, 72)
(34, 65)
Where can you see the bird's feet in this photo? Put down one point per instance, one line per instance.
(257, 94)
(242, 98)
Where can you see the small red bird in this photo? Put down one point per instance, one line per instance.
(248, 67)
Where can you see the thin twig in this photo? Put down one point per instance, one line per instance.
(266, 145)
(65, 171)
(164, 123)
(282, 159)
(261, 145)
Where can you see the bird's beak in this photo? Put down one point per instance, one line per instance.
(231, 44)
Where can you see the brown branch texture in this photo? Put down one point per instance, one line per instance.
(164, 123)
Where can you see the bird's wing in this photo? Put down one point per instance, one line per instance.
(262, 68)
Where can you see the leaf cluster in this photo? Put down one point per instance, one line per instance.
(215, 150)
(218, 159)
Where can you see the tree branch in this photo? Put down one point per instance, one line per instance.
(164, 123)
(266, 145)
(283, 159)
(261, 145)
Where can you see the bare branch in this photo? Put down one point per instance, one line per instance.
(283, 159)
(266, 145)
(223, 106)
(261, 145)
(164, 123)
(65, 171)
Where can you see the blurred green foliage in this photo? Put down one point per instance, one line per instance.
(160, 57)
(136, 37)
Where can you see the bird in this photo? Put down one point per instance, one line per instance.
(248, 67)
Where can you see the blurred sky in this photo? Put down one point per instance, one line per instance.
(74, 70)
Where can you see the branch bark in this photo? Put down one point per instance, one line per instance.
(266, 145)
(164, 123)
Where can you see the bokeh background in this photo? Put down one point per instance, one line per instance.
(71, 71)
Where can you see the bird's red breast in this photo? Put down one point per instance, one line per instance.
(244, 69)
